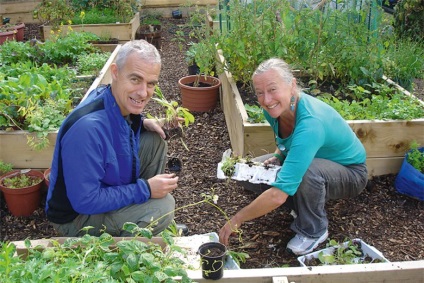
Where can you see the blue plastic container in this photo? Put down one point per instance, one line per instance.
(410, 181)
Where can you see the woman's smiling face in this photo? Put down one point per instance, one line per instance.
(272, 92)
(134, 84)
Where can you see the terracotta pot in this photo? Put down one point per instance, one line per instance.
(202, 98)
(22, 201)
(19, 30)
(7, 35)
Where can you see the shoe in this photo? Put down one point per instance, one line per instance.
(182, 228)
(300, 245)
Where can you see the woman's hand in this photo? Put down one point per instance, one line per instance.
(272, 161)
(229, 229)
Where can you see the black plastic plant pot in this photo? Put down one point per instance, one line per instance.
(174, 164)
(212, 256)
(177, 14)
(193, 69)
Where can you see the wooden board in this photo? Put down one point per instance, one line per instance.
(392, 272)
(122, 31)
(385, 142)
(19, 11)
(15, 150)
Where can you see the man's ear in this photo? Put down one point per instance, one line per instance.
(114, 71)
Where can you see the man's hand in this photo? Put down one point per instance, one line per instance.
(162, 184)
(155, 125)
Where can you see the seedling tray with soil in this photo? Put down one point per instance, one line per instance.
(354, 251)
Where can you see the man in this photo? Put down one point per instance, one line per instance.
(109, 161)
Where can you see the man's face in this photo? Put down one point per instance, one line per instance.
(133, 85)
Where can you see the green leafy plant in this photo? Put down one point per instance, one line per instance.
(5, 167)
(53, 12)
(20, 180)
(229, 166)
(375, 101)
(415, 157)
(308, 39)
(343, 254)
(409, 19)
(59, 12)
(91, 63)
(255, 113)
(38, 82)
(175, 117)
(103, 259)
(97, 259)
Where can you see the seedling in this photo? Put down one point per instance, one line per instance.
(20, 180)
(176, 117)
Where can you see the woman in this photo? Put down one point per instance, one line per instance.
(320, 155)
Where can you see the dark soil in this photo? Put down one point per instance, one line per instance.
(380, 216)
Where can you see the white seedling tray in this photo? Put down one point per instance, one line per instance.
(255, 173)
(366, 249)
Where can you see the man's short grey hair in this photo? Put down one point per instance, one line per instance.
(275, 64)
(145, 50)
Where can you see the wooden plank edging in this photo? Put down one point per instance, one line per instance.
(391, 272)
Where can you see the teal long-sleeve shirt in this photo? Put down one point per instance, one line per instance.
(319, 132)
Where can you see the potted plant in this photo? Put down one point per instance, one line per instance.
(212, 256)
(21, 189)
(12, 32)
(199, 93)
(410, 179)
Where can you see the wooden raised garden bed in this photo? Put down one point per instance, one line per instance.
(122, 31)
(386, 142)
(19, 11)
(14, 147)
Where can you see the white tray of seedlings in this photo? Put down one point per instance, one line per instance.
(353, 251)
(241, 169)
